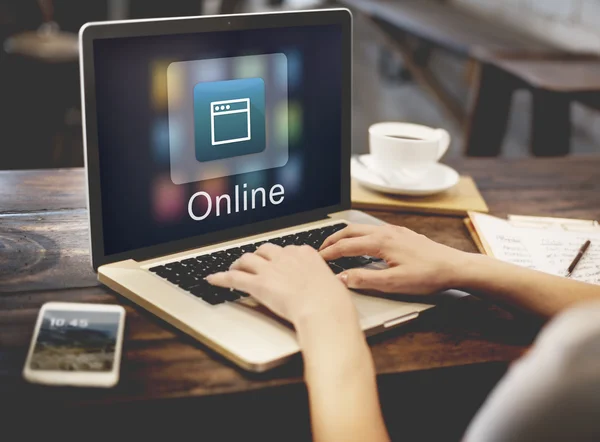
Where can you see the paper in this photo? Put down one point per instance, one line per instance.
(550, 251)
(560, 250)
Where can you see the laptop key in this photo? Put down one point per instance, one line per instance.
(204, 272)
(217, 258)
(207, 293)
(287, 240)
(213, 299)
(219, 290)
(201, 289)
(352, 262)
(362, 260)
(299, 241)
(230, 296)
(335, 268)
(340, 226)
(175, 266)
(222, 254)
(314, 243)
(217, 295)
(173, 277)
(318, 243)
(329, 230)
(161, 271)
(188, 282)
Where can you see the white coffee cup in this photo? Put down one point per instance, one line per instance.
(405, 151)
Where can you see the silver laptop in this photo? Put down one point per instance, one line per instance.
(206, 137)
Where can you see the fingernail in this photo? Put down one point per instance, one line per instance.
(343, 277)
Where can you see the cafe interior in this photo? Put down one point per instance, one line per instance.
(514, 84)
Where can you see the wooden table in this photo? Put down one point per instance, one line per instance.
(554, 83)
(413, 28)
(439, 368)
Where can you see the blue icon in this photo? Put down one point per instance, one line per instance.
(229, 118)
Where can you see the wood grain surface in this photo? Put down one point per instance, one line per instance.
(457, 201)
(44, 257)
(35, 190)
(566, 75)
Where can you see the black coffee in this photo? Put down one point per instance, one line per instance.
(405, 137)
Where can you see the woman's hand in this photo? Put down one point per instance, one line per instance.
(294, 283)
(417, 264)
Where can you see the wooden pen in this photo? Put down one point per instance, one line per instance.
(580, 254)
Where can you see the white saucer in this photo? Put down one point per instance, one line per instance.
(438, 178)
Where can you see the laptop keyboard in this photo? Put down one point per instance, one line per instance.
(189, 273)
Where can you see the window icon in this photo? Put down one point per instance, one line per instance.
(192, 87)
(230, 121)
(229, 118)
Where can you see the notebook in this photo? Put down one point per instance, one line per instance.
(457, 201)
(545, 244)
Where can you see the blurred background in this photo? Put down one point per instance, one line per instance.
(505, 77)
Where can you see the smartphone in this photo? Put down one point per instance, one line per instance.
(77, 345)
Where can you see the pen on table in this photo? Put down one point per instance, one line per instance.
(580, 254)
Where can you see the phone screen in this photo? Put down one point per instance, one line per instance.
(71, 340)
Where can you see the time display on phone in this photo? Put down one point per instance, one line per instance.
(71, 340)
(61, 322)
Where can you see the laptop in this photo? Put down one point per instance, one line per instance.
(206, 137)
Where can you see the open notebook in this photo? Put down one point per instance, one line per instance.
(545, 244)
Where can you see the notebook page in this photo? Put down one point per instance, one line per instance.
(549, 251)
(506, 242)
(559, 250)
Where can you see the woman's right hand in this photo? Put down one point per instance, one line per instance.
(417, 265)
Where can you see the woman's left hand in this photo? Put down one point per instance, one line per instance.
(294, 282)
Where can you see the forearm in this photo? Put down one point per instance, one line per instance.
(341, 383)
(537, 292)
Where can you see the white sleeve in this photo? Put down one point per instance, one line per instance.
(553, 392)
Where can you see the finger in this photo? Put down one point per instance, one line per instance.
(269, 251)
(352, 231)
(365, 279)
(249, 262)
(234, 279)
(364, 245)
(245, 282)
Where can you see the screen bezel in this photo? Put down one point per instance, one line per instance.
(77, 378)
(132, 28)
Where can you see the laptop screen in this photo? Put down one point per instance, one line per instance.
(202, 132)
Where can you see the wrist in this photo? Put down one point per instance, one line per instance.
(326, 326)
(330, 339)
(337, 360)
(316, 317)
(468, 270)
